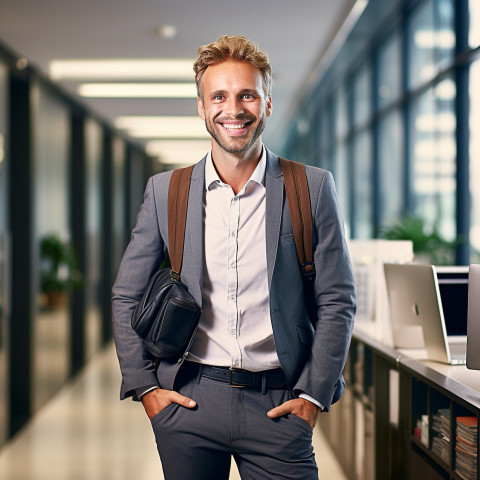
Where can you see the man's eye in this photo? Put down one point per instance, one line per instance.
(248, 96)
(218, 97)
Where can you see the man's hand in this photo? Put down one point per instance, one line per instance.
(156, 400)
(299, 407)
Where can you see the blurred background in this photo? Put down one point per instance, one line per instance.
(95, 97)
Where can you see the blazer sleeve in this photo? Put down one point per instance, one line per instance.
(143, 256)
(335, 297)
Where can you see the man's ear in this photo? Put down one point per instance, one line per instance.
(269, 106)
(201, 112)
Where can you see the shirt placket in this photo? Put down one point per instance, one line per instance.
(232, 282)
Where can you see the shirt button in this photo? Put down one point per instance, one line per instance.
(235, 363)
(232, 331)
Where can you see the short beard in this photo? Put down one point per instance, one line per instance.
(256, 134)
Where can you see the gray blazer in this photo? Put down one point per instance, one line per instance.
(312, 356)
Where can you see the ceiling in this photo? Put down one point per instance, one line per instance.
(295, 35)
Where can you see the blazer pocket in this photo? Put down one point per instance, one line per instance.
(284, 239)
(305, 335)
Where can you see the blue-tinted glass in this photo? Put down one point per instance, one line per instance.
(93, 156)
(362, 172)
(362, 95)
(391, 167)
(431, 41)
(341, 176)
(474, 17)
(341, 117)
(389, 71)
(51, 357)
(433, 154)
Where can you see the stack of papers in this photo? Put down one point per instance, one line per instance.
(466, 447)
(441, 434)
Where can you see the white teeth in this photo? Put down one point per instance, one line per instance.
(234, 127)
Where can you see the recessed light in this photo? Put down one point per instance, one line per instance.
(163, 126)
(167, 31)
(138, 90)
(123, 69)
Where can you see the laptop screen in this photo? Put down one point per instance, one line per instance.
(453, 285)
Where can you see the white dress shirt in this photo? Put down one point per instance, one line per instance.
(235, 328)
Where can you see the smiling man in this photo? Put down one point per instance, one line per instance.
(260, 370)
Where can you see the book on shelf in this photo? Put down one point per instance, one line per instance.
(466, 447)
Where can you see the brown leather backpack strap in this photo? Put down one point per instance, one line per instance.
(177, 215)
(298, 197)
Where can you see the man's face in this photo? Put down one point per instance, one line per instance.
(234, 106)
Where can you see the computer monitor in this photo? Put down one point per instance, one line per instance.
(453, 286)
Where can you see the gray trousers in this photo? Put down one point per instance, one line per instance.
(198, 444)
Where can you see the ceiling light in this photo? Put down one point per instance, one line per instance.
(138, 90)
(178, 152)
(163, 126)
(167, 31)
(104, 69)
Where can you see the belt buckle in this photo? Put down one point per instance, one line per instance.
(231, 379)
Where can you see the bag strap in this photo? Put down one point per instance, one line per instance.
(298, 198)
(177, 216)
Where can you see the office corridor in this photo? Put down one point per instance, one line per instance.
(86, 433)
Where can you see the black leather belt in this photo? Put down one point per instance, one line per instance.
(267, 379)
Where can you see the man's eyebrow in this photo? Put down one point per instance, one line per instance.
(218, 92)
(250, 91)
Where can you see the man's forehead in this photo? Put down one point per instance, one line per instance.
(235, 71)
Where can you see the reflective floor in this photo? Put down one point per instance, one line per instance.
(86, 433)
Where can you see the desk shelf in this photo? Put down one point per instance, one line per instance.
(372, 429)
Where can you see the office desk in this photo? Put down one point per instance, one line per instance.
(372, 430)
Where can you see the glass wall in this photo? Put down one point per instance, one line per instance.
(4, 256)
(391, 168)
(50, 242)
(93, 151)
(431, 40)
(390, 138)
(433, 154)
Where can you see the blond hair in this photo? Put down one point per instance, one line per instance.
(228, 47)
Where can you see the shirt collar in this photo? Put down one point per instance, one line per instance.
(258, 175)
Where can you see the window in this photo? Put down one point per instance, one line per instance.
(362, 96)
(362, 173)
(342, 177)
(389, 71)
(51, 134)
(474, 17)
(431, 41)
(391, 166)
(433, 154)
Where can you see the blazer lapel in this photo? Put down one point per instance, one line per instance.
(274, 205)
(195, 225)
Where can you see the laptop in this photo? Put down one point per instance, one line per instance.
(473, 330)
(428, 311)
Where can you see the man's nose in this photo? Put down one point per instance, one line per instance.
(233, 107)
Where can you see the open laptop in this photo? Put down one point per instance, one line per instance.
(428, 310)
(473, 330)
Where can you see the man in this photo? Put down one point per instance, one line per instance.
(259, 372)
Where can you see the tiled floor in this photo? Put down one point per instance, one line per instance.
(86, 433)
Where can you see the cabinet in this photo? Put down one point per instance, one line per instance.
(399, 417)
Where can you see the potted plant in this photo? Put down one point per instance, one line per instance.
(428, 247)
(59, 271)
